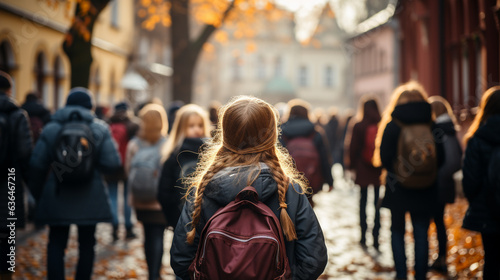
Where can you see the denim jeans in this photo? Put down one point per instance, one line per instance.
(113, 197)
(153, 248)
(442, 237)
(420, 222)
(362, 213)
(58, 239)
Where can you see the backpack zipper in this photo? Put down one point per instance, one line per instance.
(242, 240)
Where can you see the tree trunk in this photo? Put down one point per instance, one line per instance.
(77, 43)
(185, 52)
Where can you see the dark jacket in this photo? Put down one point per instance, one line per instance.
(86, 205)
(35, 109)
(475, 180)
(299, 127)
(307, 255)
(332, 133)
(20, 148)
(445, 130)
(171, 189)
(397, 197)
(366, 173)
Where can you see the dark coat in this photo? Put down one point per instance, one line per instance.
(332, 133)
(366, 173)
(20, 147)
(475, 180)
(35, 109)
(171, 189)
(299, 127)
(307, 255)
(452, 161)
(397, 197)
(85, 205)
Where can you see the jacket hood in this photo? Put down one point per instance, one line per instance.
(34, 108)
(62, 115)
(490, 131)
(7, 104)
(228, 182)
(413, 112)
(295, 127)
(191, 144)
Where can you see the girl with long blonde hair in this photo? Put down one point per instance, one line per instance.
(246, 151)
(180, 155)
(408, 107)
(481, 180)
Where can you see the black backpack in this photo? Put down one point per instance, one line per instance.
(493, 188)
(74, 156)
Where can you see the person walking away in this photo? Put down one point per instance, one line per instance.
(481, 181)
(181, 153)
(143, 166)
(361, 147)
(15, 150)
(245, 153)
(74, 149)
(446, 128)
(39, 115)
(410, 154)
(124, 127)
(307, 146)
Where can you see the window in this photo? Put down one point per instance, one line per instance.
(278, 67)
(303, 76)
(8, 62)
(96, 81)
(112, 89)
(40, 74)
(261, 68)
(114, 13)
(237, 63)
(58, 78)
(329, 76)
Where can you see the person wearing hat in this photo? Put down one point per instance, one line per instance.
(84, 203)
(124, 126)
(15, 151)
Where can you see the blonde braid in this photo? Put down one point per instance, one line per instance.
(214, 168)
(282, 180)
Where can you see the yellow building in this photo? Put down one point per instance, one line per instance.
(31, 36)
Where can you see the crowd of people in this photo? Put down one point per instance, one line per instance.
(188, 169)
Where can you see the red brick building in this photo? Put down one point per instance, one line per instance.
(451, 47)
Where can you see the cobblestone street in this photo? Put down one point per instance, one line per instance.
(337, 212)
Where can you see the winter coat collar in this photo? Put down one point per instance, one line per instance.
(295, 127)
(63, 115)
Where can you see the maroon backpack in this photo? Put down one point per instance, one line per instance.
(242, 241)
(307, 159)
(119, 133)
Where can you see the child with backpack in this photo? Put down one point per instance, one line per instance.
(361, 147)
(409, 153)
(66, 168)
(181, 153)
(307, 146)
(447, 134)
(245, 152)
(481, 181)
(143, 166)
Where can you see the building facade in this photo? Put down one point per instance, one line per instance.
(31, 36)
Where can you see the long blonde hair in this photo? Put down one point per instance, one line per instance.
(409, 92)
(490, 105)
(247, 135)
(178, 132)
(154, 123)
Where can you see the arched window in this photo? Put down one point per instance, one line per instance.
(96, 81)
(261, 67)
(112, 89)
(58, 79)
(40, 75)
(237, 65)
(278, 67)
(8, 62)
(303, 76)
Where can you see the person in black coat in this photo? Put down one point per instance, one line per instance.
(60, 205)
(483, 139)
(246, 152)
(191, 125)
(408, 106)
(15, 151)
(445, 129)
(298, 125)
